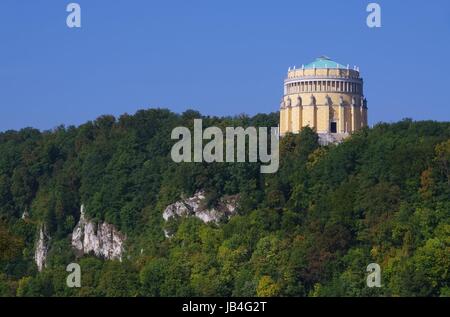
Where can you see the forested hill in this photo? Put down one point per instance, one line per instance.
(311, 229)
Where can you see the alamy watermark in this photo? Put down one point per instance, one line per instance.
(374, 277)
(73, 20)
(74, 278)
(213, 151)
(374, 18)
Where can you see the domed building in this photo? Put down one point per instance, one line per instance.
(326, 96)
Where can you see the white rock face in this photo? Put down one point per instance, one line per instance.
(40, 254)
(104, 240)
(194, 206)
(331, 138)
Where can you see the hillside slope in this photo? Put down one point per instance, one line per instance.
(311, 229)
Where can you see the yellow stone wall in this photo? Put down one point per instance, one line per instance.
(309, 116)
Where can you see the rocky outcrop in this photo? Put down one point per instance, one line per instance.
(331, 138)
(40, 253)
(25, 215)
(101, 239)
(195, 207)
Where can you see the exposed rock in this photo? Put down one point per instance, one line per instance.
(40, 254)
(195, 206)
(25, 215)
(331, 138)
(104, 240)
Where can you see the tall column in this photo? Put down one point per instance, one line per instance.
(281, 121)
(353, 127)
(341, 118)
(309, 113)
(364, 122)
(300, 117)
(325, 113)
(297, 116)
(315, 116)
(286, 120)
(290, 119)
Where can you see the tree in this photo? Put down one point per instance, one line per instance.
(152, 277)
(267, 287)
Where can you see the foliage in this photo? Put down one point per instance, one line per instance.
(310, 229)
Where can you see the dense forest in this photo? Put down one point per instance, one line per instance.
(382, 196)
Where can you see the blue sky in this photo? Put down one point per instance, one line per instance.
(221, 57)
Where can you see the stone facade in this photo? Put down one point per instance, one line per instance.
(326, 96)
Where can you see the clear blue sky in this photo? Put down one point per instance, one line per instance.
(221, 57)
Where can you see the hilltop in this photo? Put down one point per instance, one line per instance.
(311, 229)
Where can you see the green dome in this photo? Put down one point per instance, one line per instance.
(324, 62)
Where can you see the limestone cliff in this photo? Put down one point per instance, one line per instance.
(195, 206)
(102, 239)
(40, 253)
